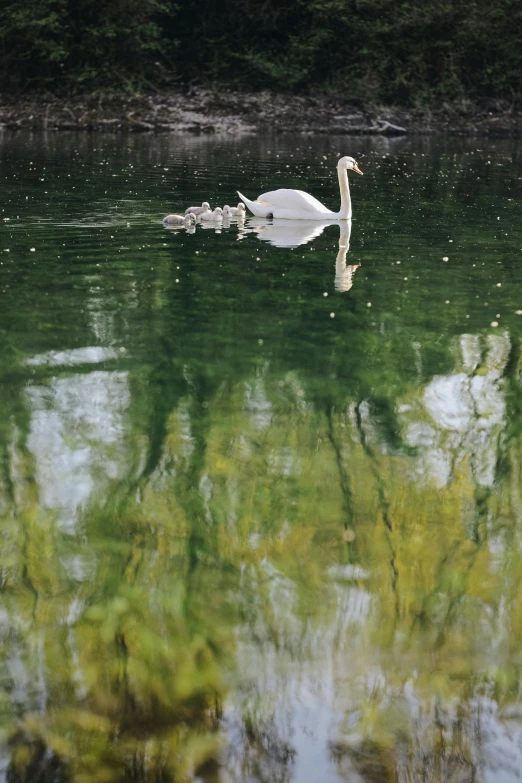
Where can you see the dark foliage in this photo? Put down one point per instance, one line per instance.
(79, 43)
(401, 51)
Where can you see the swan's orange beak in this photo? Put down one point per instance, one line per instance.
(357, 169)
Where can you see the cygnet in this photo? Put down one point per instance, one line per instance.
(198, 210)
(214, 216)
(179, 220)
(238, 211)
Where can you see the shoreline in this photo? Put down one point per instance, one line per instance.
(206, 111)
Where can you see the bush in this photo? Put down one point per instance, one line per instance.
(389, 50)
(79, 43)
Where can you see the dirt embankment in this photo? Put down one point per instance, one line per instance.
(209, 111)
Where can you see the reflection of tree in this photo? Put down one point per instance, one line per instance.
(130, 677)
(254, 494)
(290, 505)
(434, 720)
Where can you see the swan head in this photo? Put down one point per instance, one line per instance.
(349, 164)
(190, 218)
(218, 211)
(205, 205)
(241, 207)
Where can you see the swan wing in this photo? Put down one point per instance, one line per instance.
(288, 199)
(288, 204)
(255, 207)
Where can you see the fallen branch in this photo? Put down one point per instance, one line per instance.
(388, 127)
(379, 126)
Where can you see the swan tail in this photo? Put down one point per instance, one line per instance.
(259, 210)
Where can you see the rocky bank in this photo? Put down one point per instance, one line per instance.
(212, 111)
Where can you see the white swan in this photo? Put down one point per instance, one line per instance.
(179, 220)
(198, 210)
(217, 214)
(238, 211)
(298, 205)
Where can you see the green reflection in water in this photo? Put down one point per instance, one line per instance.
(252, 531)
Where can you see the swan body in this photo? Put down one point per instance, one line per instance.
(291, 204)
(198, 210)
(214, 216)
(179, 220)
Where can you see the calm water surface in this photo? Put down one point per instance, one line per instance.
(260, 492)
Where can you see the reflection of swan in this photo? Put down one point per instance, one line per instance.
(210, 225)
(298, 205)
(344, 272)
(291, 233)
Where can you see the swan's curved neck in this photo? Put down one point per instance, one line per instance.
(345, 213)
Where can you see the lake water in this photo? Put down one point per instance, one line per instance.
(260, 492)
